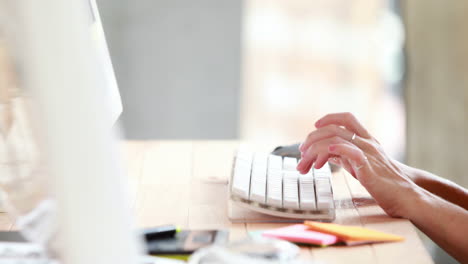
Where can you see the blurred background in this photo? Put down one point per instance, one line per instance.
(266, 70)
(256, 70)
(261, 70)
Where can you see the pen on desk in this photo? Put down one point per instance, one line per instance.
(160, 232)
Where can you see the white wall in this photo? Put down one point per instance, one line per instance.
(436, 92)
(178, 66)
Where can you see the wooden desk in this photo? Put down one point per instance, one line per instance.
(185, 183)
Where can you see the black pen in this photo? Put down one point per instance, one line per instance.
(160, 232)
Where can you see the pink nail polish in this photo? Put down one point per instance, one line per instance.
(332, 148)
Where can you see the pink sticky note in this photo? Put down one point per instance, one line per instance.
(300, 234)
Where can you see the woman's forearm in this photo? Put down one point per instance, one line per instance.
(442, 221)
(439, 186)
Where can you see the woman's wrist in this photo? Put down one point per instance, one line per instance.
(413, 174)
(415, 203)
(410, 172)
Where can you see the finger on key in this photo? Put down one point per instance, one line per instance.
(306, 162)
(321, 160)
(307, 169)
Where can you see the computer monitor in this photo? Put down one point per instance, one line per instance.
(61, 173)
(110, 90)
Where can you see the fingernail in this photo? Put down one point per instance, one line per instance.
(300, 147)
(317, 124)
(331, 148)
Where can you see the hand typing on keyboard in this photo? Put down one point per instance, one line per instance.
(437, 206)
(341, 139)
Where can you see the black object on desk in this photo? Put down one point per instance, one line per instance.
(185, 242)
(160, 232)
(292, 151)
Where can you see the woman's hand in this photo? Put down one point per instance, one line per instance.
(342, 140)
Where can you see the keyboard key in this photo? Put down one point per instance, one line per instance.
(324, 193)
(245, 155)
(290, 190)
(260, 159)
(307, 192)
(258, 189)
(323, 172)
(241, 178)
(325, 202)
(275, 162)
(258, 181)
(322, 185)
(289, 163)
(275, 188)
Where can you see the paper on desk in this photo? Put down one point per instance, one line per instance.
(23, 253)
(352, 235)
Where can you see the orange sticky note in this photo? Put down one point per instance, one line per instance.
(352, 233)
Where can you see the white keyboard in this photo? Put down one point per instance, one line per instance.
(271, 185)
